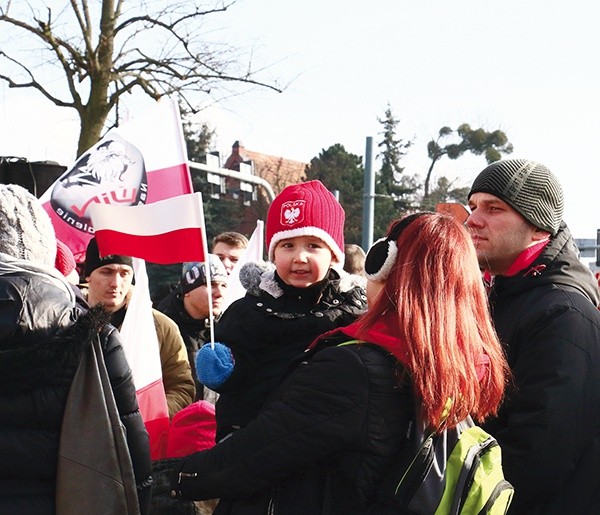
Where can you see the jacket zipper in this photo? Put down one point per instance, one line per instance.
(187, 475)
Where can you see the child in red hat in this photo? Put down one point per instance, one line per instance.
(305, 294)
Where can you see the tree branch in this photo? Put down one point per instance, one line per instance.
(33, 83)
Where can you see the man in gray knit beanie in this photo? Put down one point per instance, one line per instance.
(543, 302)
(528, 187)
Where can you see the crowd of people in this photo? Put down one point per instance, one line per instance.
(297, 398)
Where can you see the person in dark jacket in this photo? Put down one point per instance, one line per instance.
(543, 302)
(188, 306)
(325, 440)
(284, 309)
(43, 331)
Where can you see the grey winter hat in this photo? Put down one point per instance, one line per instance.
(193, 274)
(527, 186)
(26, 231)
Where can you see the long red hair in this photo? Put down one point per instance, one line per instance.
(435, 293)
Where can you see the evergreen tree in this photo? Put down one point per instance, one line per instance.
(340, 170)
(444, 193)
(395, 190)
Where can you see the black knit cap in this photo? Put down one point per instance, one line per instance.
(94, 261)
(527, 186)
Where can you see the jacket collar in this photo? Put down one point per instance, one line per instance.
(557, 263)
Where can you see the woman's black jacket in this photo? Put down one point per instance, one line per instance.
(42, 334)
(322, 444)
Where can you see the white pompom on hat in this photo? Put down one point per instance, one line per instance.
(306, 209)
(26, 231)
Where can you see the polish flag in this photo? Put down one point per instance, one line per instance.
(140, 344)
(142, 161)
(169, 231)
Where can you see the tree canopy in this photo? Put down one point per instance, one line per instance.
(340, 170)
(105, 49)
(477, 141)
(395, 190)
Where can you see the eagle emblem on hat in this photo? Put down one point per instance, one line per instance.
(292, 212)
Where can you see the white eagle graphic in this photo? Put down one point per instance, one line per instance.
(291, 215)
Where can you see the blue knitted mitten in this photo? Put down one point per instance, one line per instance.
(214, 365)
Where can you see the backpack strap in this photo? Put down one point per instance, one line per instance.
(350, 342)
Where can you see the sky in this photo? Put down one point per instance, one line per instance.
(528, 67)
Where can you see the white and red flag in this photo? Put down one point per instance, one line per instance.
(142, 161)
(169, 231)
(140, 344)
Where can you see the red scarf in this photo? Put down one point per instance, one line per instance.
(525, 258)
(380, 333)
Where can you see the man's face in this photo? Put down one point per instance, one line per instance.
(196, 300)
(499, 232)
(109, 286)
(228, 255)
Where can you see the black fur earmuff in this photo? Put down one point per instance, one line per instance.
(382, 255)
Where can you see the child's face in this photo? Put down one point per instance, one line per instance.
(302, 260)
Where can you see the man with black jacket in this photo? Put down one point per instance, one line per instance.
(544, 305)
(188, 306)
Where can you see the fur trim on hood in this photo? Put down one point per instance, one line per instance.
(27, 362)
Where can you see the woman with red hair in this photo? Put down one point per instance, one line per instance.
(325, 440)
(425, 292)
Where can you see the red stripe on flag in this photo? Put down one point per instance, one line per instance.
(154, 410)
(76, 240)
(177, 246)
(168, 182)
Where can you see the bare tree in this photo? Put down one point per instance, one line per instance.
(104, 50)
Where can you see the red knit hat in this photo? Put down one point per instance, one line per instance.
(192, 429)
(306, 209)
(64, 261)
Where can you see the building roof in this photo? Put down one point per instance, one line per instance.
(278, 171)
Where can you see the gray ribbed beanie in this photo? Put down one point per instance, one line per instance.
(26, 231)
(528, 187)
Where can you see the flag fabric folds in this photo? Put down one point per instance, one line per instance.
(140, 162)
(169, 231)
(142, 351)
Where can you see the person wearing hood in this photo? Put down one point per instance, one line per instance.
(44, 332)
(543, 301)
(326, 438)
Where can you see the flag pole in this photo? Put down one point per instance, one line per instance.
(211, 316)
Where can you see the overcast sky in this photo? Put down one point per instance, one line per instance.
(528, 67)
